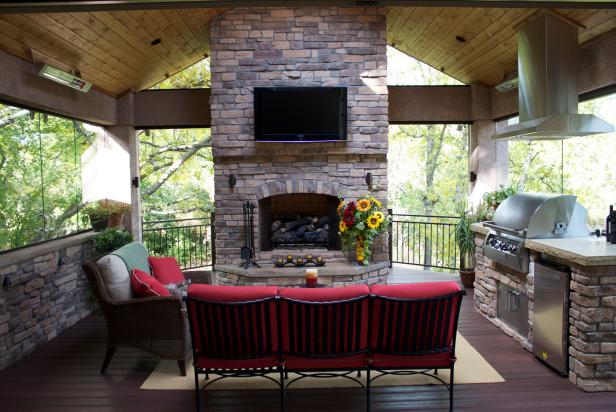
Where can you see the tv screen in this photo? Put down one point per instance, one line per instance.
(300, 114)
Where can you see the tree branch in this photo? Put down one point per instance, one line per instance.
(176, 165)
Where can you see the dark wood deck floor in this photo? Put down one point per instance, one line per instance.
(63, 376)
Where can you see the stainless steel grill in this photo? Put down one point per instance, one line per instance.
(531, 216)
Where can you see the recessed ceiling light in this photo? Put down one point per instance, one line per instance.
(156, 41)
(461, 39)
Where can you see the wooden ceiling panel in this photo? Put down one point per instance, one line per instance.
(489, 51)
(113, 49)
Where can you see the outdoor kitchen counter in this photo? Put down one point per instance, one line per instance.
(584, 251)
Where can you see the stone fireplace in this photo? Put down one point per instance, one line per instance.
(286, 182)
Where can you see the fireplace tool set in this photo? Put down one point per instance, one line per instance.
(247, 252)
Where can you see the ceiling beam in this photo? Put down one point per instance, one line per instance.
(107, 5)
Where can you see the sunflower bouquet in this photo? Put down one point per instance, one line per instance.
(360, 223)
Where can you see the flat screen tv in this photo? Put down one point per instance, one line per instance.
(300, 114)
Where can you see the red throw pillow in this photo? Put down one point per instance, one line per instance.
(145, 285)
(166, 270)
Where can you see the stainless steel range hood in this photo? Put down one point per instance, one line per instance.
(547, 92)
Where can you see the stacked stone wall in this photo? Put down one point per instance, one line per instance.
(264, 47)
(47, 294)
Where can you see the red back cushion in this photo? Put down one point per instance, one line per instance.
(145, 285)
(326, 325)
(222, 294)
(415, 290)
(417, 320)
(166, 270)
(324, 294)
(243, 331)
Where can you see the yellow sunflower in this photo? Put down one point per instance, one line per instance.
(340, 208)
(342, 226)
(363, 205)
(373, 221)
(379, 216)
(376, 202)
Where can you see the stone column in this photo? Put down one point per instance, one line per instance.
(487, 159)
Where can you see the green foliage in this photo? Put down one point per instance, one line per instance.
(582, 166)
(187, 181)
(427, 168)
(193, 77)
(40, 176)
(495, 198)
(465, 239)
(105, 208)
(111, 239)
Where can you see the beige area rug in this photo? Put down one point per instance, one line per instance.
(471, 367)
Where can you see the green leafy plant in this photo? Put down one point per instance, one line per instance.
(495, 198)
(111, 239)
(465, 238)
(105, 213)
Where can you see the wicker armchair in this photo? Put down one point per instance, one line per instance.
(155, 324)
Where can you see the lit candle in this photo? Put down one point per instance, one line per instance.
(308, 257)
(312, 277)
(299, 261)
(289, 258)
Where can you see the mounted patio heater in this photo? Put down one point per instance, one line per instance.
(64, 78)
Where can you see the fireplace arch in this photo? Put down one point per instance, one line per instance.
(304, 209)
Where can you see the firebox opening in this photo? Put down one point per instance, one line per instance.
(302, 220)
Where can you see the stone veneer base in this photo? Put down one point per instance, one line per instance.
(333, 274)
(48, 293)
(592, 316)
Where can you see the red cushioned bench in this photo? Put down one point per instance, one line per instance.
(242, 331)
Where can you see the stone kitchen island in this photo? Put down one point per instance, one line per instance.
(591, 306)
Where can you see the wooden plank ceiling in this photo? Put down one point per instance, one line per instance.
(113, 49)
(477, 44)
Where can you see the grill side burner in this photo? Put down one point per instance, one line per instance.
(531, 216)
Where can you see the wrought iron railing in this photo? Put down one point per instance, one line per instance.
(423, 240)
(190, 241)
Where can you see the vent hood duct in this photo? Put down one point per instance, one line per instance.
(548, 95)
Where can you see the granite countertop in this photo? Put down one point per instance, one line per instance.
(585, 251)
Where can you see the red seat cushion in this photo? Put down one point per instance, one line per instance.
(221, 294)
(437, 360)
(324, 294)
(145, 285)
(416, 290)
(166, 270)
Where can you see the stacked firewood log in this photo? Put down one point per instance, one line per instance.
(300, 229)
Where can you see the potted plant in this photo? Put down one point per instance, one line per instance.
(360, 223)
(493, 199)
(106, 213)
(465, 239)
(111, 239)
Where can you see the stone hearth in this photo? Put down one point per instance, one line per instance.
(328, 46)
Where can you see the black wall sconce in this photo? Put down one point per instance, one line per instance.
(369, 180)
(135, 181)
(472, 177)
(232, 181)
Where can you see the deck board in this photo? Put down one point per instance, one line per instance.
(62, 375)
